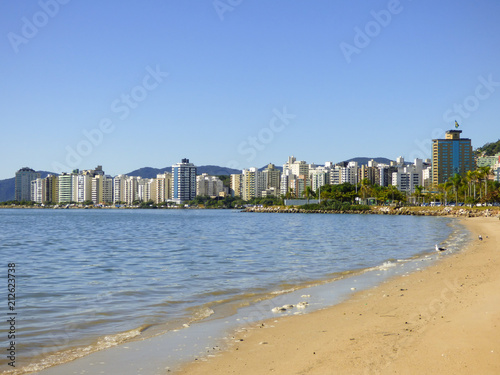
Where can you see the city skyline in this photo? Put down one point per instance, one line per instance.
(142, 81)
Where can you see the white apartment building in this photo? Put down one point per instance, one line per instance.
(83, 186)
(408, 177)
(208, 185)
(350, 173)
(318, 177)
(144, 189)
(37, 190)
(119, 188)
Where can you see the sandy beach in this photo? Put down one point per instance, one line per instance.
(444, 319)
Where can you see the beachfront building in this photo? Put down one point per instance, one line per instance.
(83, 186)
(37, 190)
(130, 193)
(50, 189)
(299, 168)
(161, 188)
(102, 189)
(285, 179)
(183, 181)
(319, 176)
(23, 178)
(271, 178)
(427, 177)
(210, 186)
(119, 188)
(66, 182)
(408, 177)
(451, 155)
(235, 185)
(144, 191)
(488, 161)
(350, 173)
(249, 183)
(335, 174)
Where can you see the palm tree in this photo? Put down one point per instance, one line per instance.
(308, 192)
(469, 178)
(418, 191)
(445, 187)
(486, 171)
(479, 176)
(365, 187)
(456, 181)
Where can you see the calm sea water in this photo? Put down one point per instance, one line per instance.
(89, 279)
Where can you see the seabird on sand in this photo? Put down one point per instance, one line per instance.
(440, 248)
(480, 237)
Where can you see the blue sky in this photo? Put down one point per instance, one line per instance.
(127, 84)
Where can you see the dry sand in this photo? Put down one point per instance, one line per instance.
(444, 319)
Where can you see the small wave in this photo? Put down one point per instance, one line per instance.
(279, 292)
(69, 355)
(201, 314)
(386, 266)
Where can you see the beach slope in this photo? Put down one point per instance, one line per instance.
(442, 319)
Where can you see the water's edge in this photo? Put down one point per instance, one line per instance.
(159, 352)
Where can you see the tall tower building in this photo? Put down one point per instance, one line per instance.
(24, 176)
(272, 177)
(183, 181)
(451, 155)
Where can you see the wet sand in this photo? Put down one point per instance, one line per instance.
(443, 319)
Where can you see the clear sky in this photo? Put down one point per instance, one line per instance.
(127, 84)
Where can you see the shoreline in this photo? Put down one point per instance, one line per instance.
(443, 319)
(388, 210)
(450, 211)
(262, 312)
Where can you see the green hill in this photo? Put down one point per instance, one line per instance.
(489, 149)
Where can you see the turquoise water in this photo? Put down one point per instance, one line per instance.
(90, 279)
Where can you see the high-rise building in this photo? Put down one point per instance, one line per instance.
(272, 177)
(162, 188)
(83, 188)
(183, 181)
(50, 189)
(37, 190)
(236, 182)
(350, 173)
(249, 183)
(130, 190)
(119, 188)
(24, 176)
(102, 189)
(209, 186)
(408, 177)
(66, 182)
(451, 155)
